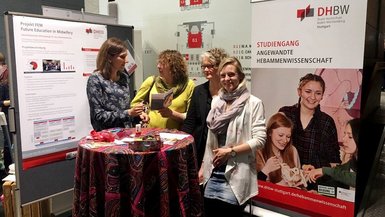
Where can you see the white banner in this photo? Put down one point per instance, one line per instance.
(302, 34)
(53, 61)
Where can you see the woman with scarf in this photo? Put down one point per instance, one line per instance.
(236, 130)
(172, 74)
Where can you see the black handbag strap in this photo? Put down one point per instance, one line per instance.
(147, 98)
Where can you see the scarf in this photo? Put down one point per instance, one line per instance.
(218, 118)
(162, 87)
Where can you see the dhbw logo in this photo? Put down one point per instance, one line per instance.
(323, 11)
(307, 12)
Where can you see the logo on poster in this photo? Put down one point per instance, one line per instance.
(323, 11)
(307, 12)
(95, 31)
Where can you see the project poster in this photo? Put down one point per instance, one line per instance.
(325, 38)
(53, 61)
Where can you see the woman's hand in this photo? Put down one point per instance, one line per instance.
(307, 168)
(221, 155)
(272, 164)
(136, 110)
(7, 102)
(200, 175)
(144, 117)
(169, 113)
(315, 174)
(166, 112)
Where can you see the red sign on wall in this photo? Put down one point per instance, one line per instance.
(194, 40)
(195, 2)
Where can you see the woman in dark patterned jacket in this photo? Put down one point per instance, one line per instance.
(108, 89)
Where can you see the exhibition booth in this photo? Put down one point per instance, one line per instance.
(51, 58)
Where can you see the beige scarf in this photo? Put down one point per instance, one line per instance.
(218, 117)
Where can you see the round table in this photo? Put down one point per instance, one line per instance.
(113, 180)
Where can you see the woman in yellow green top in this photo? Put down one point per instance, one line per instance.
(173, 73)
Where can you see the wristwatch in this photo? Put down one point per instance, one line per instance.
(233, 153)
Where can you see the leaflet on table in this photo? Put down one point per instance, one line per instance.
(171, 138)
(167, 138)
(93, 145)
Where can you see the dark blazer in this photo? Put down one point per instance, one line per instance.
(195, 122)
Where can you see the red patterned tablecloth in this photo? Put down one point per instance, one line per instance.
(113, 180)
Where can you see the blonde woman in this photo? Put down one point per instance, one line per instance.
(236, 126)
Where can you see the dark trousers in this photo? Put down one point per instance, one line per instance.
(7, 148)
(215, 208)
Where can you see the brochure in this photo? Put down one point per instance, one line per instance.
(161, 100)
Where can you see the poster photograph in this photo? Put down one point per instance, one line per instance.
(283, 164)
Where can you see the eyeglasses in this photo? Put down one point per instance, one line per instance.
(209, 66)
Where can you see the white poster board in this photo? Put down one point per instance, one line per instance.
(53, 61)
(312, 34)
(50, 62)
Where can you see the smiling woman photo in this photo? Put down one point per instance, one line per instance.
(314, 133)
(278, 150)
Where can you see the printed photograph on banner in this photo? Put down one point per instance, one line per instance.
(312, 121)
